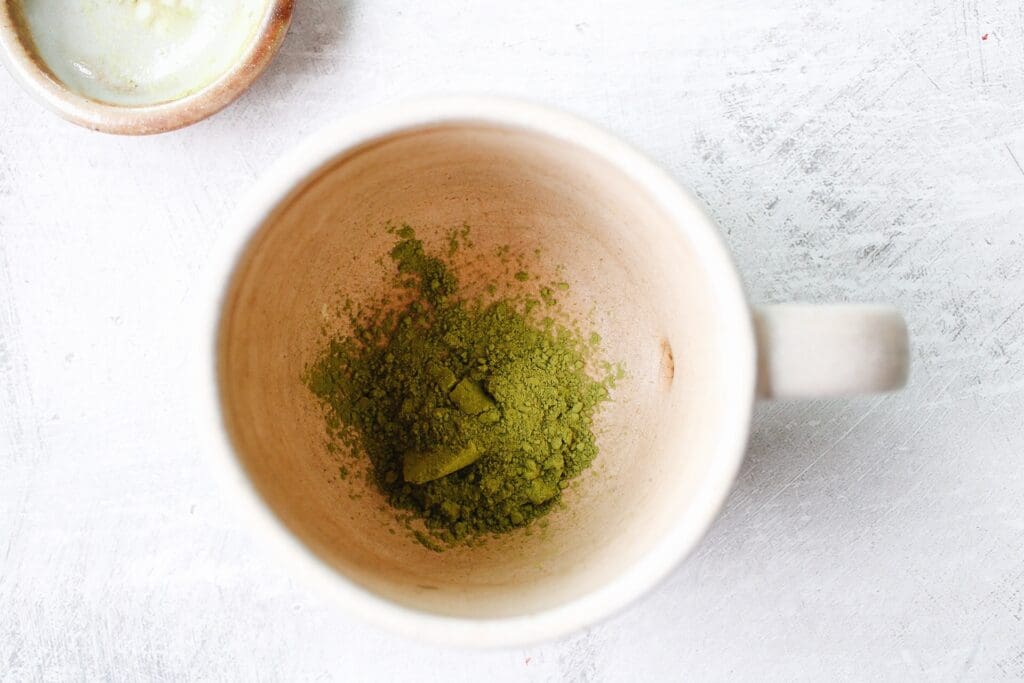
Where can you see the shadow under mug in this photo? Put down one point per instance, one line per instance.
(647, 270)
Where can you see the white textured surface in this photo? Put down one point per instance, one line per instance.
(867, 150)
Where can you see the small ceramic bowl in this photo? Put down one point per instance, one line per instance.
(24, 61)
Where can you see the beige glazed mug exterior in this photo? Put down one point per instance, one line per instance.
(647, 269)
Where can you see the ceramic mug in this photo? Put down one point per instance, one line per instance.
(647, 271)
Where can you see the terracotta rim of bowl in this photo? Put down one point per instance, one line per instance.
(28, 69)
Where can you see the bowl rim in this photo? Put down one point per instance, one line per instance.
(307, 159)
(30, 72)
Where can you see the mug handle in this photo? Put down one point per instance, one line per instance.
(814, 351)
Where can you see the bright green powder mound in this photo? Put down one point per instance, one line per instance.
(473, 417)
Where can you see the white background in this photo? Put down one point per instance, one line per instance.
(866, 150)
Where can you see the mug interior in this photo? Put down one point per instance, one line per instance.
(636, 278)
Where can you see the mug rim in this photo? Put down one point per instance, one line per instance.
(303, 162)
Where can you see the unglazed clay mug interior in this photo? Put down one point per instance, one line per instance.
(647, 271)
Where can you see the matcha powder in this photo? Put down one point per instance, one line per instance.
(474, 417)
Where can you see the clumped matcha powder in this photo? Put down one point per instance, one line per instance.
(473, 417)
